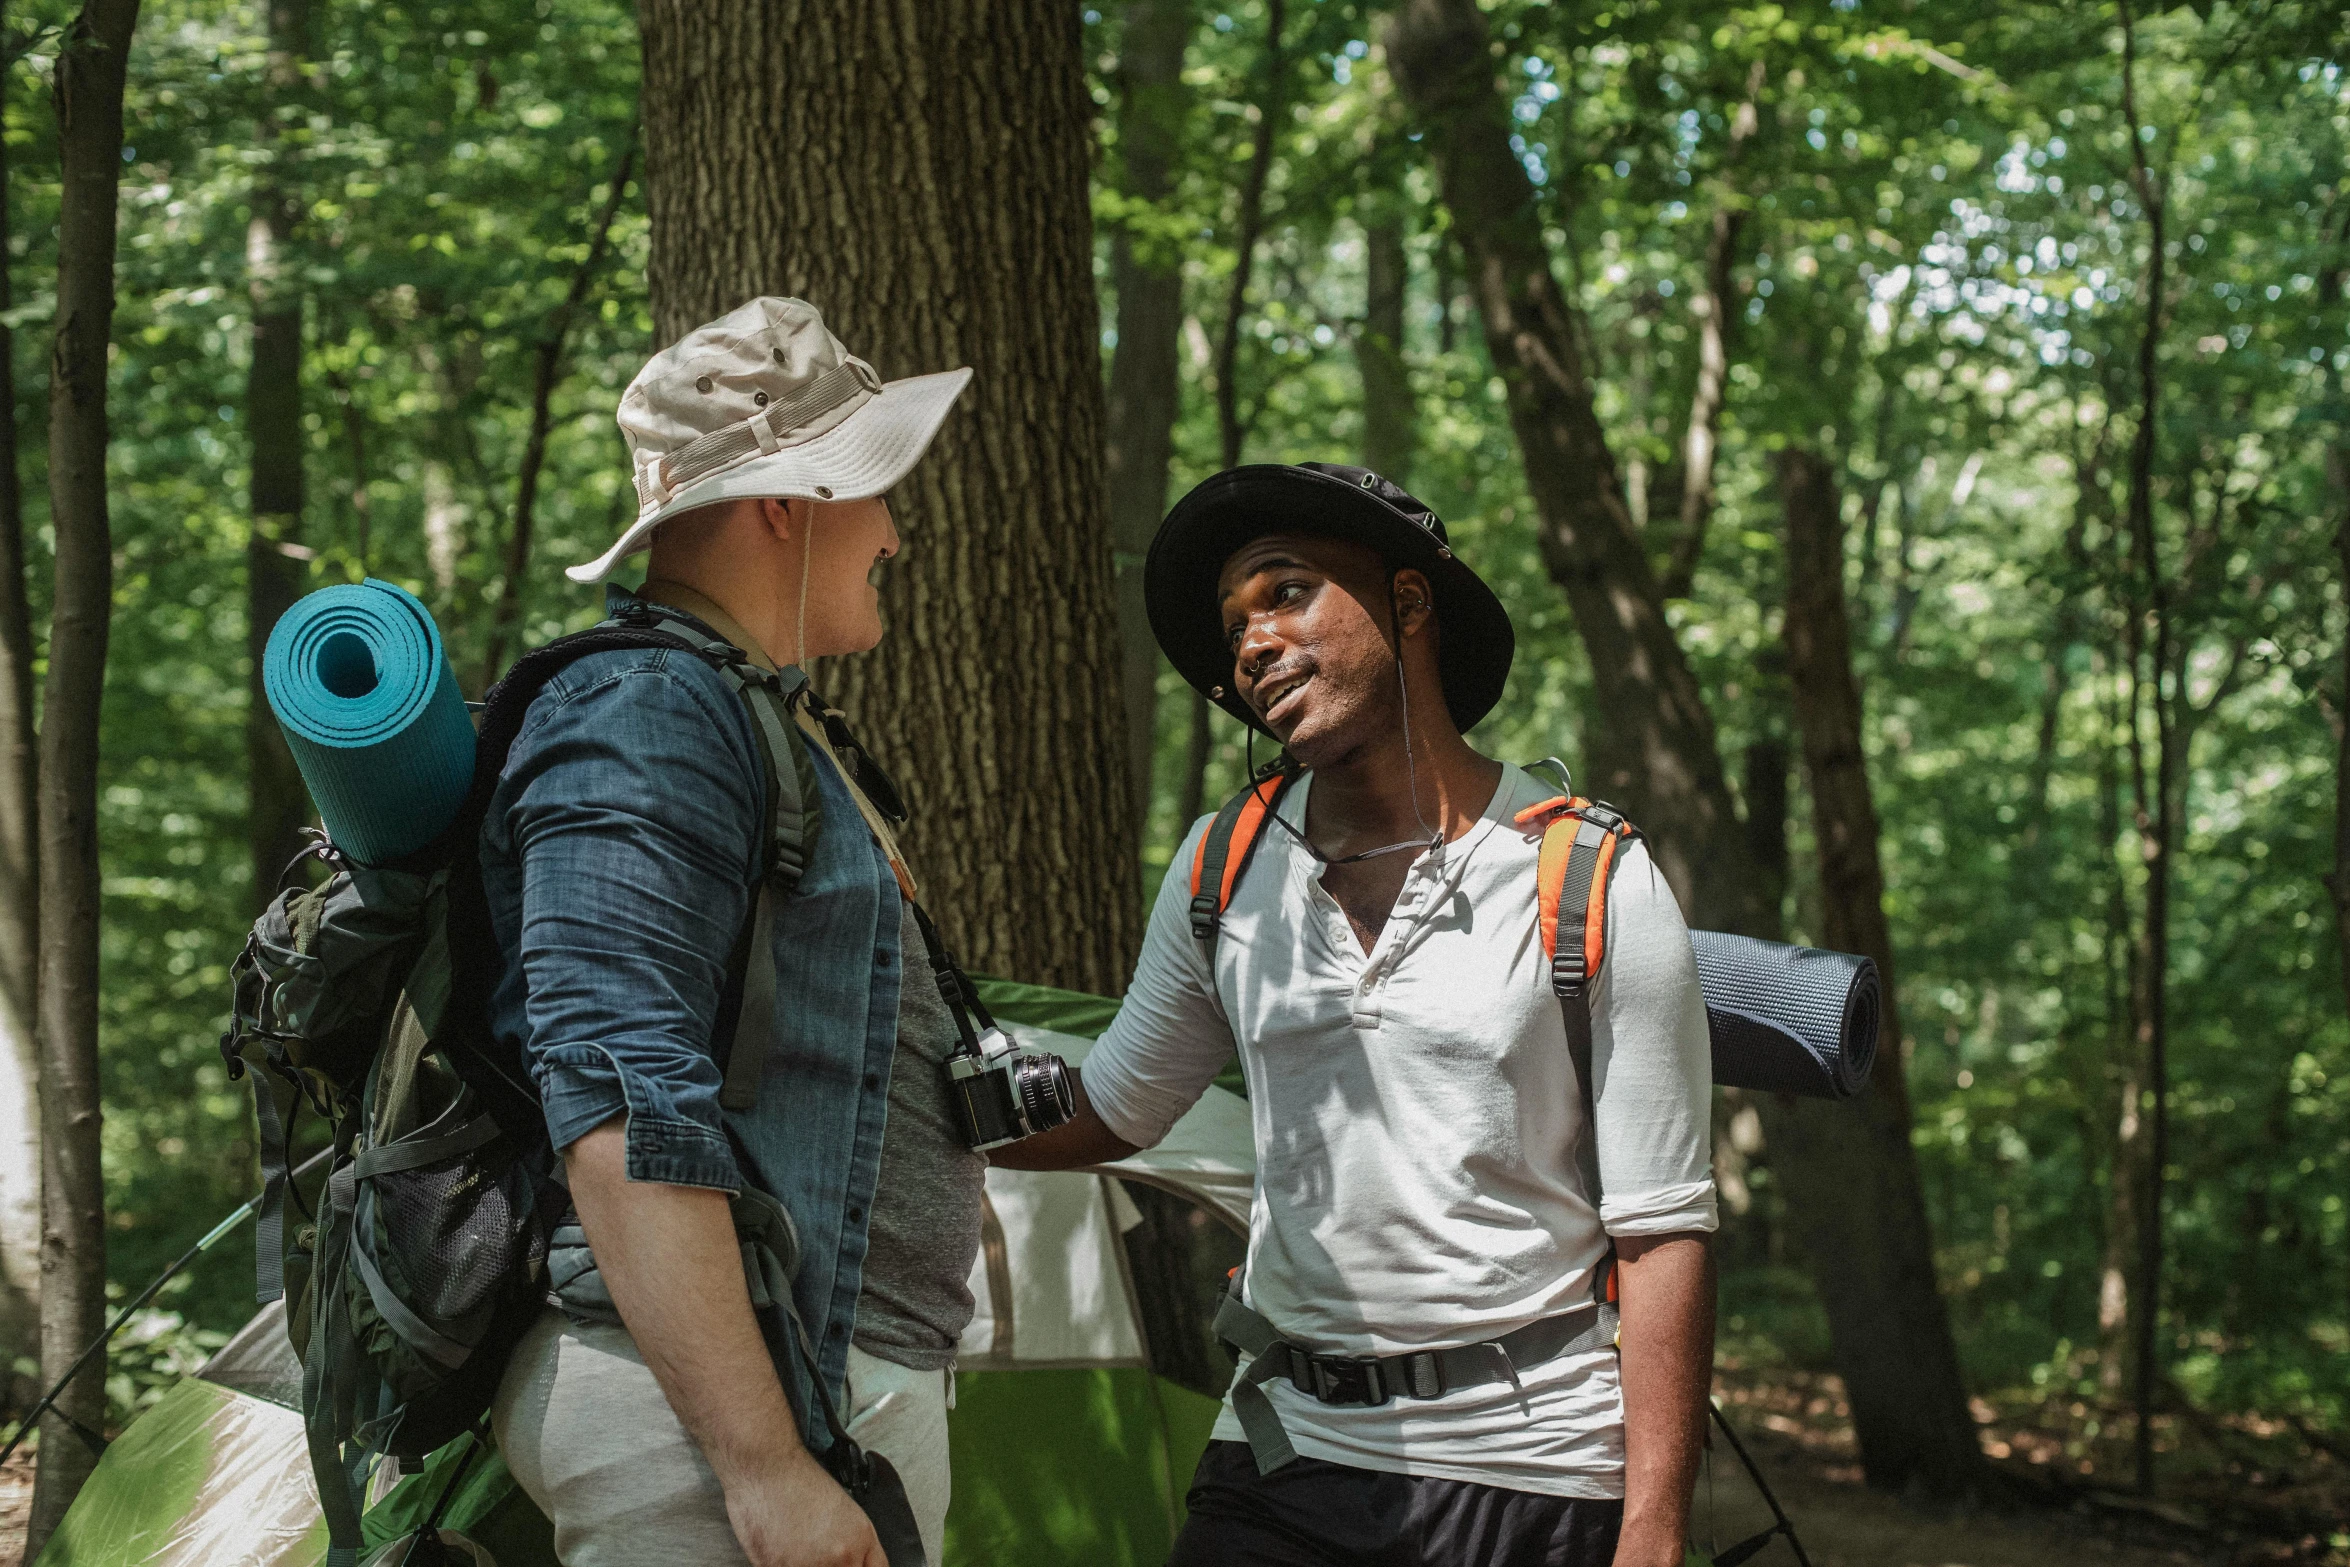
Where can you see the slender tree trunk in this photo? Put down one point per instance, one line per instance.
(1145, 396)
(1766, 815)
(1390, 421)
(276, 559)
(1652, 740)
(2125, 1172)
(962, 236)
(1199, 741)
(1248, 224)
(91, 64)
(2334, 288)
(20, 880)
(1656, 751)
(2149, 646)
(547, 371)
(1145, 390)
(1231, 430)
(1715, 308)
(1900, 1403)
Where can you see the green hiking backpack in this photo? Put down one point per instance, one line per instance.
(424, 1256)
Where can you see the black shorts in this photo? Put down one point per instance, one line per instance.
(1310, 1513)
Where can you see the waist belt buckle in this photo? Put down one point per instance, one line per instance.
(1339, 1379)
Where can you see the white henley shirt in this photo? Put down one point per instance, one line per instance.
(1418, 1123)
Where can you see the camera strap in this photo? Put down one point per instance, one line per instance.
(962, 997)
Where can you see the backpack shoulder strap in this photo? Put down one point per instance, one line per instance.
(1580, 840)
(1581, 844)
(1224, 849)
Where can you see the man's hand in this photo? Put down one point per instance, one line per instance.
(669, 1256)
(1665, 1290)
(792, 1514)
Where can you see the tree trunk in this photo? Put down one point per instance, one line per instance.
(1651, 740)
(91, 64)
(1655, 746)
(276, 560)
(920, 173)
(1390, 422)
(1248, 223)
(20, 882)
(547, 370)
(2125, 1172)
(1900, 1366)
(1145, 391)
(2149, 646)
(1715, 308)
(1199, 742)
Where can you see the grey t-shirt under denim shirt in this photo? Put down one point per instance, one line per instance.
(925, 1229)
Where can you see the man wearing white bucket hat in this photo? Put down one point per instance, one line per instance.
(647, 848)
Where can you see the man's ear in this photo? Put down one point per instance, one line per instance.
(1415, 601)
(776, 514)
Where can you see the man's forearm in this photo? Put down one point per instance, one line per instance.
(1666, 1294)
(1084, 1139)
(668, 1254)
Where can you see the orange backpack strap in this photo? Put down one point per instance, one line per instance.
(1581, 843)
(1579, 848)
(1224, 849)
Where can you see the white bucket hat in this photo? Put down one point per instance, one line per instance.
(766, 402)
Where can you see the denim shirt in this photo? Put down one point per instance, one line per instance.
(617, 859)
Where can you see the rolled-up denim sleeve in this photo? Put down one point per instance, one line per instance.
(634, 808)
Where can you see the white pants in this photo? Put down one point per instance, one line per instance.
(590, 1436)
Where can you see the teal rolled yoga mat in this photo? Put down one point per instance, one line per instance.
(364, 693)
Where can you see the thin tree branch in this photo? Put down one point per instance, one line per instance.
(552, 342)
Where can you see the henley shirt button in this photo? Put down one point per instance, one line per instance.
(856, 1215)
(881, 957)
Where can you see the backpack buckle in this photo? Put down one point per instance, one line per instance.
(1340, 1379)
(1205, 916)
(1567, 974)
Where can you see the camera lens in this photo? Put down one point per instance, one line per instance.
(1045, 1097)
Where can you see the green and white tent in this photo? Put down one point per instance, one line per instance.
(1068, 1449)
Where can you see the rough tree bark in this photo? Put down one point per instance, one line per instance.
(2148, 642)
(547, 370)
(1715, 308)
(91, 65)
(276, 561)
(1391, 424)
(1877, 1229)
(1653, 744)
(919, 172)
(1146, 268)
(20, 881)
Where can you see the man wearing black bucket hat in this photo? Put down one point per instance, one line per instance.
(1450, 1211)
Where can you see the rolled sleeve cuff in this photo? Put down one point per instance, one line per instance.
(583, 1088)
(1661, 1210)
(1137, 1114)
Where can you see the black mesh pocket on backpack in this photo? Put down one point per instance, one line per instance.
(455, 1235)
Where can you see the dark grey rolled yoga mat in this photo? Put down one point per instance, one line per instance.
(1792, 1020)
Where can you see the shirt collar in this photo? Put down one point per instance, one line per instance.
(661, 590)
(1453, 852)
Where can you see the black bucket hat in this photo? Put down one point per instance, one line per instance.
(1322, 500)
